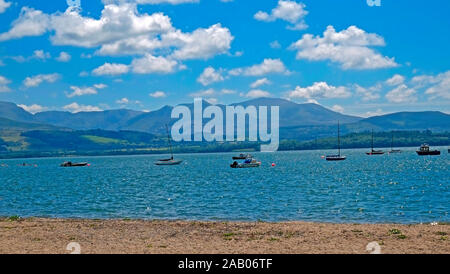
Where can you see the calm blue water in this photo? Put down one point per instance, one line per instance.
(402, 188)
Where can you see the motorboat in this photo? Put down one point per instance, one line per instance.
(425, 150)
(248, 163)
(70, 164)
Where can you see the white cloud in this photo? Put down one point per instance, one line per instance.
(268, 66)
(210, 76)
(31, 22)
(260, 82)
(319, 90)
(256, 93)
(338, 108)
(402, 94)
(289, 11)
(117, 22)
(350, 48)
(396, 80)
(275, 45)
(81, 91)
(123, 30)
(64, 57)
(377, 112)
(111, 69)
(37, 80)
(4, 82)
(75, 108)
(151, 64)
(442, 88)
(33, 108)
(158, 94)
(4, 5)
(123, 101)
(436, 86)
(200, 44)
(368, 94)
(41, 55)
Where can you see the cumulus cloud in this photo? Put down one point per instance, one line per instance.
(4, 5)
(64, 57)
(152, 64)
(402, 94)
(33, 108)
(158, 94)
(437, 86)
(4, 82)
(210, 76)
(31, 22)
(123, 30)
(338, 108)
(37, 80)
(200, 44)
(111, 69)
(75, 108)
(396, 80)
(370, 93)
(268, 66)
(81, 91)
(260, 82)
(289, 11)
(319, 90)
(350, 48)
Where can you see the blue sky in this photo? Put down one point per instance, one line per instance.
(143, 54)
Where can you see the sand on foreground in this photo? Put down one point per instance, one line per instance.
(52, 236)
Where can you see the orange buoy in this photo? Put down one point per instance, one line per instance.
(273, 165)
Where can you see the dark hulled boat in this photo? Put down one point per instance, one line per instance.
(171, 161)
(374, 152)
(425, 151)
(70, 164)
(337, 157)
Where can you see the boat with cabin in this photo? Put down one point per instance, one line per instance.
(248, 163)
(425, 151)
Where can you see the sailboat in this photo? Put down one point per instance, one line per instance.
(171, 161)
(392, 146)
(374, 152)
(338, 157)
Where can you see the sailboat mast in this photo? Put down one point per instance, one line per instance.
(339, 138)
(170, 143)
(372, 140)
(392, 143)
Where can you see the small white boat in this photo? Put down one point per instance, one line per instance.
(168, 162)
(171, 161)
(249, 163)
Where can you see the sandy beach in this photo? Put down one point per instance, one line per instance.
(37, 236)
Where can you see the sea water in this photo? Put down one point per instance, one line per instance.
(302, 186)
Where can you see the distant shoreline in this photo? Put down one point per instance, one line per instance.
(5, 156)
(51, 236)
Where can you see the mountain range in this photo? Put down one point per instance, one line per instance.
(297, 121)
